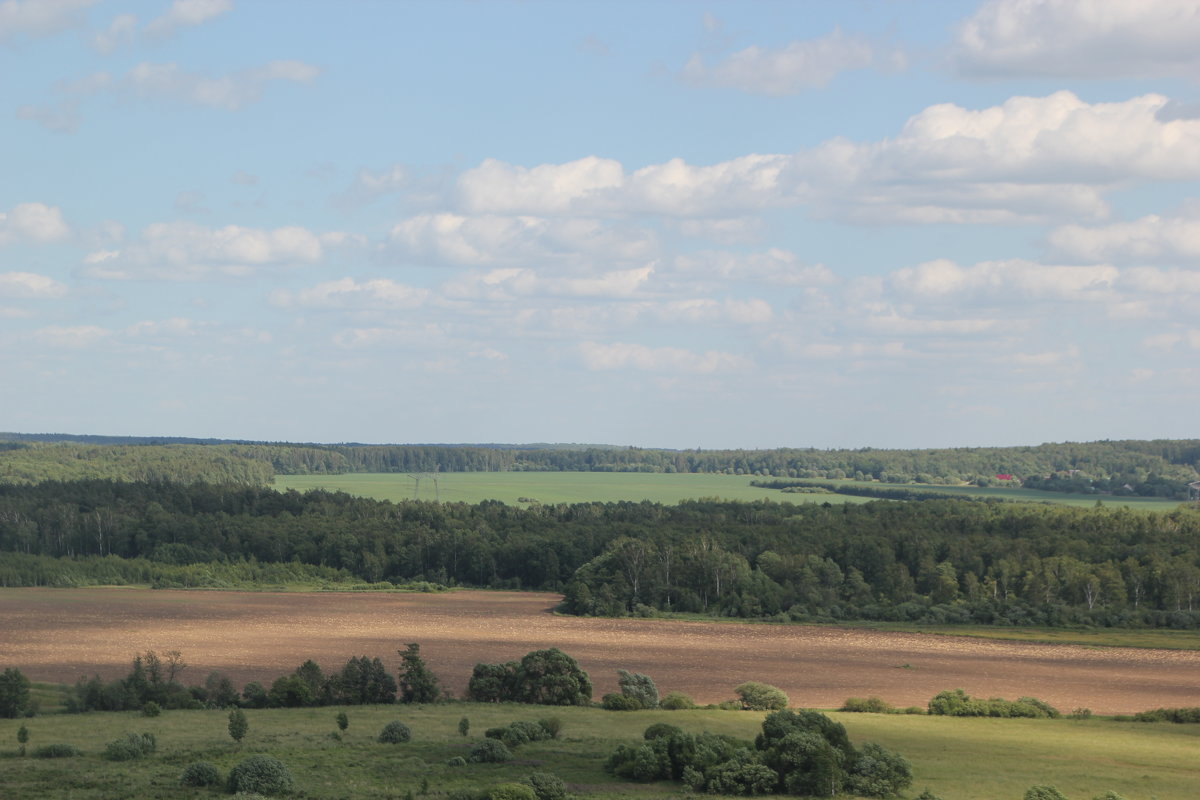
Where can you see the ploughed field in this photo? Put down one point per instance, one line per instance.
(58, 635)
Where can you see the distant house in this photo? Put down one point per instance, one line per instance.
(1004, 476)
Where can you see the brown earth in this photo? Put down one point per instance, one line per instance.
(60, 634)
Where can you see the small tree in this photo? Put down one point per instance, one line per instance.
(14, 693)
(464, 726)
(395, 732)
(418, 684)
(238, 724)
(343, 721)
(639, 687)
(756, 696)
(22, 737)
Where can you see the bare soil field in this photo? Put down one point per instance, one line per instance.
(58, 635)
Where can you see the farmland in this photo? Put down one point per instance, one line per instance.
(59, 635)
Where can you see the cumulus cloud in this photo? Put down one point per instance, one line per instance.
(793, 68)
(775, 266)
(29, 285)
(1152, 239)
(624, 355)
(495, 240)
(40, 17)
(1080, 39)
(32, 222)
(187, 14)
(186, 251)
(347, 293)
(992, 282)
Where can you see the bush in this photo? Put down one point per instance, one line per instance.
(395, 732)
(547, 786)
(238, 724)
(512, 791)
(200, 773)
(868, 705)
(676, 701)
(620, 702)
(151, 709)
(14, 694)
(958, 704)
(130, 746)
(638, 687)
(457, 761)
(1180, 715)
(1043, 793)
(464, 726)
(660, 729)
(490, 751)
(261, 775)
(343, 721)
(551, 725)
(761, 697)
(55, 751)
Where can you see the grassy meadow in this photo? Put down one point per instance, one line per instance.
(553, 487)
(958, 759)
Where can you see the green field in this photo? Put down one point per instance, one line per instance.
(553, 487)
(1027, 495)
(958, 759)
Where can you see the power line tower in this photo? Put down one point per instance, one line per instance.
(433, 476)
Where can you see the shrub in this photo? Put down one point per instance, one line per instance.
(869, 705)
(55, 751)
(238, 724)
(418, 684)
(660, 729)
(958, 704)
(14, 693)
(547, 677)
(395, 732)
(1081, 713)
(878, 773)
(512, 791)
(551, 725)
(464, 726)
(1180, 715)
(638, 687)
(343, 721)
(261, 775)
(151, 709)
(255, 695)
(130, 746)
(1109, 795)
(761, 697)
(200, 773)
(620, 702)
(676, 701)
(457, 761)
(547, 786)
(490, 751)
(1043, 793)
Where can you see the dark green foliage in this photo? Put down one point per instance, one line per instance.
(547, 786)
(957, 703)
(417, 683)
(14, 693)
(151, 679)
(659, 730)
(1109, 795)
(639, 687)
(464, 726)
(261, 775)
(151, 709)
(620, 702)
(521, 732)
(1044, 793)
(363, 681)
(238, 724)
(22, 737)
(395, 732)
(255, 695)
(546, 677)
(130, 746)
(456, 761)
(219, 691)
(201, 773)
(512, 791)
(489, 751)
(55, 751)
(551, 725)
(756, 696)
(870, 705)
(343, 721)
(1181, 715)
(928, 795)
(291, 691)
(676, 701)
(878, 772)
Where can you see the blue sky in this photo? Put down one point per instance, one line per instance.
(671, 224)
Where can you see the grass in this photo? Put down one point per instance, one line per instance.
(1159, 639)
(958, 759)
(1027, 495)
(554, 487)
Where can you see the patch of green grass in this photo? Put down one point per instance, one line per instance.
(553, 487)
(963, 759)
(1017, 493)
(1160, 639)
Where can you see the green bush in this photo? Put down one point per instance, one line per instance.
(660, 729)
(1180, 715)
(547, 786)
(676, 701)
(620, 702)
(464, 726)
(130, 746)
(457, 761)
(756, 696)
(200, 773)
(151, 709)
(238, 724)
(638, 687)
(512, 791)
(343, 721)
(490, 751)
(957, 703)
(1043, 793)
(868, 705)
(551, 725)
(55, 751)
(264, 775)
(395, 732)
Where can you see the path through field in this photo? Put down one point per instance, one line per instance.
(61, 634)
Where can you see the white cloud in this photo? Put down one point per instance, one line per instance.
(1149, 240)
(29, 285)
(991, 282)
(33, 222)
(503, 284)
(1080, 39)
(119, 33)
(186, 14)
(1149, 280)
(621, 355)
(186, 251)
(70, 337)
(175, 327)
(774, 266)
(495, 240)
(230, 92)
(379, 293)
(370, 185)
(40, 17)
(799, 65)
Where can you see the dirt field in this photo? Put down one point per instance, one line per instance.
(61, 634)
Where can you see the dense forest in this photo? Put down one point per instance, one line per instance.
(929, 560)
(1160, 468)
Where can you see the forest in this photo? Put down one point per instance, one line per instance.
(931, 560)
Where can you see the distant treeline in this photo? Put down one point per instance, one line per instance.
(1160, 468)
(932, 560)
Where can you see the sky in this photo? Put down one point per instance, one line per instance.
(666, 224)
